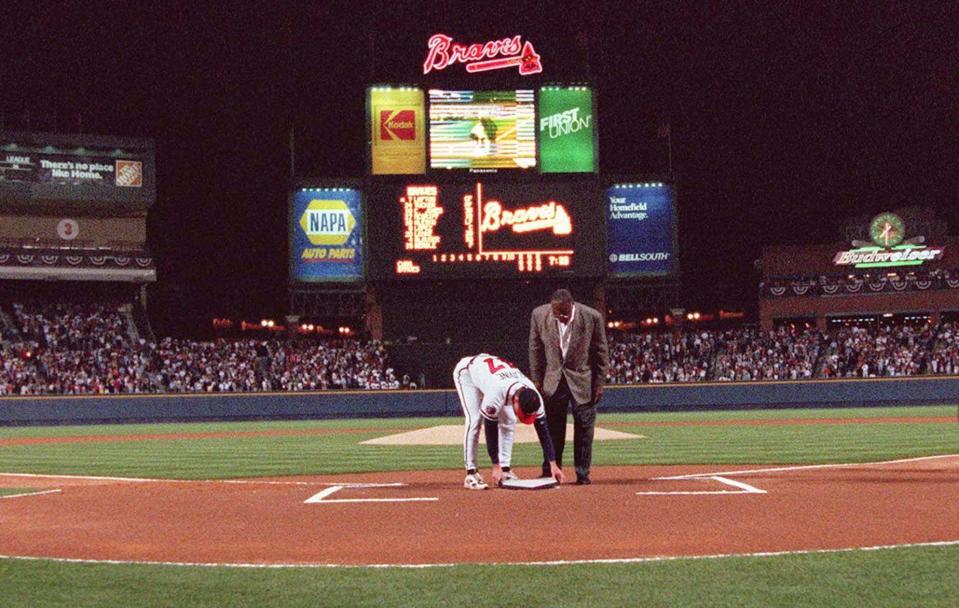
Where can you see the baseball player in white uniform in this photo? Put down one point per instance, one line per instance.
(493, 392)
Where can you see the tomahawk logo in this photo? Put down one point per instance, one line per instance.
(397, 125)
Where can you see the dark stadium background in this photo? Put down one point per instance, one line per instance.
(784, 119)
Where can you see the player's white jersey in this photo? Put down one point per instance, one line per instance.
(498, 381)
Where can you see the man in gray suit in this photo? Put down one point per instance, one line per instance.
(568, 359)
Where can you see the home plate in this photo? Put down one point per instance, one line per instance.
(540, 483)
(452, 434)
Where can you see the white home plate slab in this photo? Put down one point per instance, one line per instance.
(539, 483)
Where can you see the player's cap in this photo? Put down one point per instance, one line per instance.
(528, 405)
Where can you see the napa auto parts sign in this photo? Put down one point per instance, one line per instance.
(512, 52)
(326, 235)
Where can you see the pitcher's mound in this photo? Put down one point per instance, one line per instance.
(452, 434)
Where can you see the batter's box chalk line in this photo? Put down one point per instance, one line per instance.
(323, 496)
(741, 488)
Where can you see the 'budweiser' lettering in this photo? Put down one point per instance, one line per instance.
(444, 52)
(888, 257)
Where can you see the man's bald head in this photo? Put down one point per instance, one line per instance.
(561, 303)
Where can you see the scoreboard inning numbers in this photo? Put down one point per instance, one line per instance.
(475, 229)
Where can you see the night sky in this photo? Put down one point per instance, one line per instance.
(785, 119)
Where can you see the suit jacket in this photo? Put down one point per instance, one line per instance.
(587, 358)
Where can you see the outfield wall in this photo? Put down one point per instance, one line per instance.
(357, 404)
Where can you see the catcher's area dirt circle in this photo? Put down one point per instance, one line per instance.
(428, 518)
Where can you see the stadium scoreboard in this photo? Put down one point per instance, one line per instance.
(485, 229)
(481, 177)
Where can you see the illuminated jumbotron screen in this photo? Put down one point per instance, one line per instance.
(425, 229)
(482, 129)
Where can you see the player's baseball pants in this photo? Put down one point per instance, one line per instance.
(470, 400)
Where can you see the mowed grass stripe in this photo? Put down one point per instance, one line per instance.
(252, 455)
(414, 423)
(919, 576)
(17, 491)
(217, 427)
(923, 411)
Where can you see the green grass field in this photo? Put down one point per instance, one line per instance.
(15, 491)
(920, 576)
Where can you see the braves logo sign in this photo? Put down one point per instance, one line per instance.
(491, 55)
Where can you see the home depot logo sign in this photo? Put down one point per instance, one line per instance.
(397, 125)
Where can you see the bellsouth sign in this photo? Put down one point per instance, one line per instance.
(511, 52)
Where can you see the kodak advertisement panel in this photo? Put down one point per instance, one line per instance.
(397, 132)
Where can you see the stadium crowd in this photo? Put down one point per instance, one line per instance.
(76, 349)
(782, 354)
(94, 349)
(883, 351)
(660, 357)
(786, 353)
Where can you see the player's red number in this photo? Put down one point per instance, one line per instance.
(495, 364)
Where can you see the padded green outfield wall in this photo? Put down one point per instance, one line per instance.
(361, 404)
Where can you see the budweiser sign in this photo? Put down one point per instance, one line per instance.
(491, 55)
(875, 257)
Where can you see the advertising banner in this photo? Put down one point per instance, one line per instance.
(641, 229)
(34, 171)
(889, 247)
(566, 130)
(326, 235)
(397, 131)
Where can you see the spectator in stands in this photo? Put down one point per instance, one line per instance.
(660, 357)
(887, 350)
(786, 353)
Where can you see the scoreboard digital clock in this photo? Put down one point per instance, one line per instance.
(477, 229)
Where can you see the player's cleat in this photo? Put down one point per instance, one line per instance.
(473, 481)
(508, 476)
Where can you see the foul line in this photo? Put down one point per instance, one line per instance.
(344, 483)
(807, 467)
(624, 560)
(40, 493)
